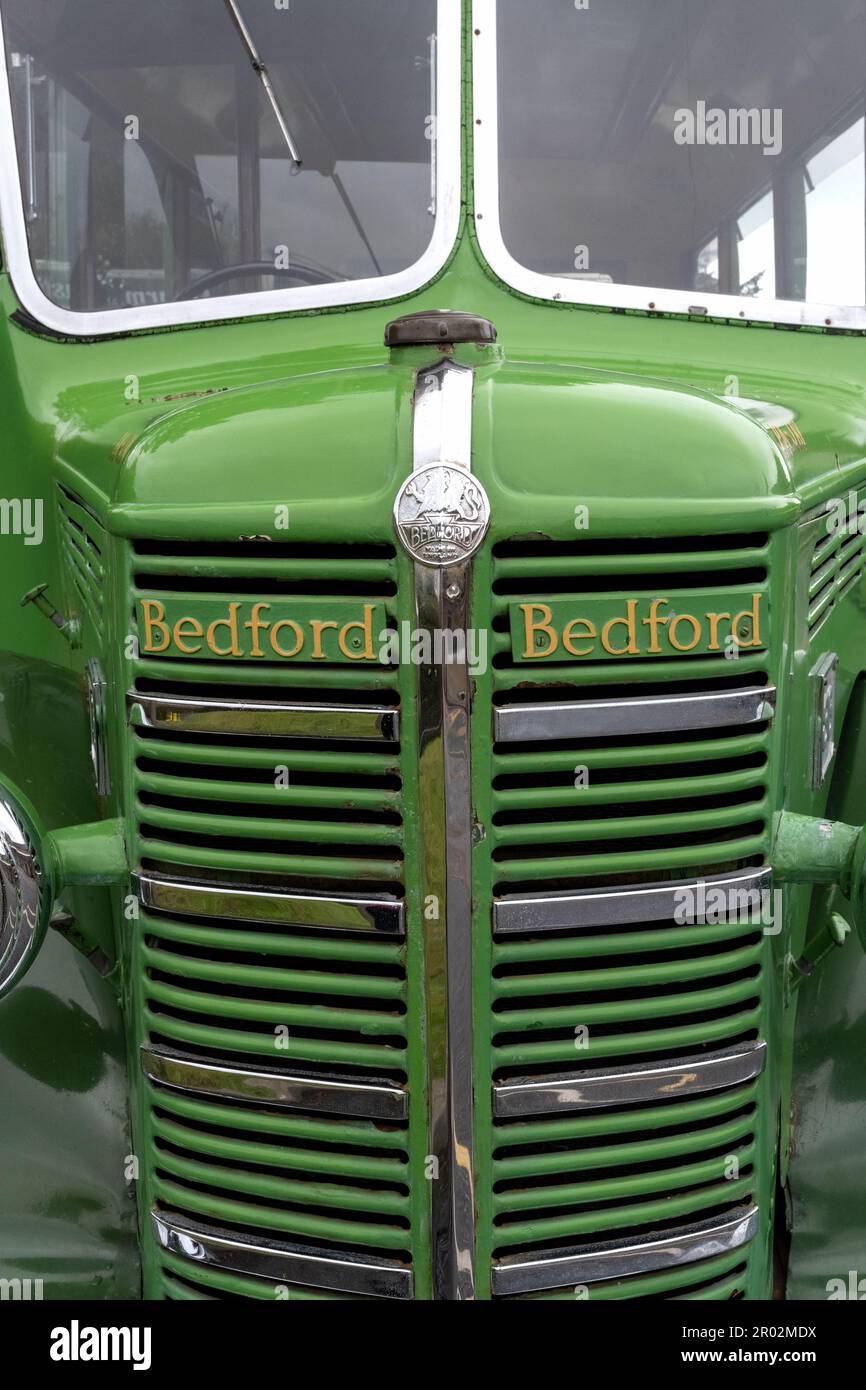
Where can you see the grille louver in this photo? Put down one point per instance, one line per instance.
(611, 812)
(291, 964)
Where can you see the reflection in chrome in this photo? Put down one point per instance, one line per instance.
(443, 432)
(657, 714)
(97, 707)
(329, 1094)
(20, 894)
(608, 907)
(286, 1264)
(259, 718)
(629, 1085)
(240, 903)
(555, 1269)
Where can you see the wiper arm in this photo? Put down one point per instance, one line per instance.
(262, 73)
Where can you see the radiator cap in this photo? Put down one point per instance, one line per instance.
(439, 326)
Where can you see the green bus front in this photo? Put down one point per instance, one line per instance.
(432, 679)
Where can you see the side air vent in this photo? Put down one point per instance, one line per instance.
(82, 549)
(838, 562)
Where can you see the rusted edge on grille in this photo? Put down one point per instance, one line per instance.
(656, 714)
(590, 1264)
(650, 902)
(262, 719)
(372, 1099)
(341, 1272)
(628, 1085)
(189, 898)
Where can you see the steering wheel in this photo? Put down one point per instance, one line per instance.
(305, 274)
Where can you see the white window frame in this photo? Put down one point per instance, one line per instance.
(73, 323)
(588, 293)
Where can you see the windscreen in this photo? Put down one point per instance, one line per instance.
(155, 165)
(686, 144)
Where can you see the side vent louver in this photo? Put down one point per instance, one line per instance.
(82, 549)
(838, 561)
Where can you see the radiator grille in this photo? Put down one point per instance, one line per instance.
(670, 808)
(610, 812)
(282, 815)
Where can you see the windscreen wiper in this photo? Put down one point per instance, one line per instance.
(262, 74)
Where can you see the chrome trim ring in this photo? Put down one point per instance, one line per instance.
(20, 896)
(607, 907)
(590, 1264)
(283, 1264)
(657, 714)
(331, 1095)
(261, 719)
(629, 1085)
(385, 916)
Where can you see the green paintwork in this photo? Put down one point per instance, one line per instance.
(629, 415)
(89, 853)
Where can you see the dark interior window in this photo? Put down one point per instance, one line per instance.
(686, 144)
(154, 166)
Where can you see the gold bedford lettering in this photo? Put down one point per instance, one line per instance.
(262, 635)
(646, 627)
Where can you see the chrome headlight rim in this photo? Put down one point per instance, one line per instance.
(24, 892)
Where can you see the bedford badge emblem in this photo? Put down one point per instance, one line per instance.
(441, 514)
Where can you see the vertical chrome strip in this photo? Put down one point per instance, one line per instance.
(443, 415)
(443, 433)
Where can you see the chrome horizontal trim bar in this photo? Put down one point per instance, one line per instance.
(330, 1095)
(259, 718)
(591, 1264)
(629, 1085)
(383, 916)
(614, 907)
(286, 1264)
(656, 714)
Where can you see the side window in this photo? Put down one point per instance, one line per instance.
(805, 237)
(755, 250)
(836, 220)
